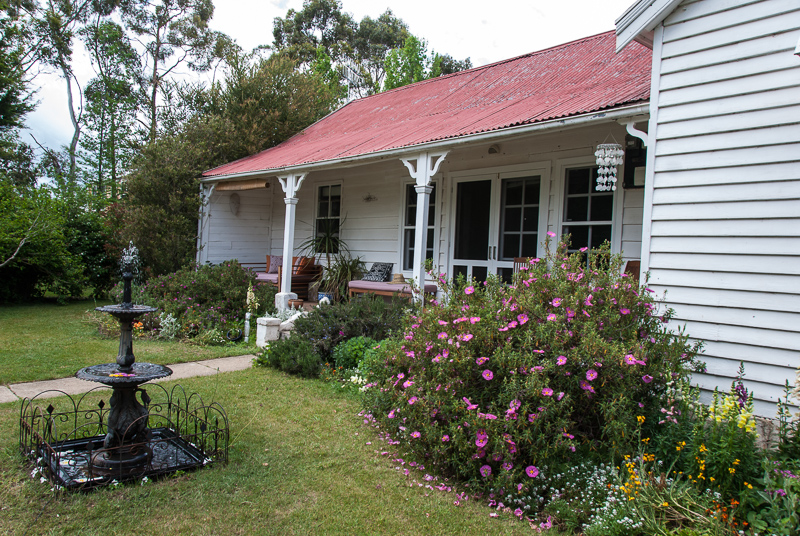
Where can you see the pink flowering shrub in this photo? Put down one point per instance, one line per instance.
(510, 380)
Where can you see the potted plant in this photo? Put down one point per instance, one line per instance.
(338, 274)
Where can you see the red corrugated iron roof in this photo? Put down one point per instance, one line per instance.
(575, 78)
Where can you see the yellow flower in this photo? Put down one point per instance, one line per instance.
(665, 503)
(749, 486)
(731, 470)
(640, 418)
(703, 448)
(736, 462)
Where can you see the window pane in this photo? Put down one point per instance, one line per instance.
(580, 236)
(578, 181)
(529, 243)
(513, 192)
(472, 220)
(600, 233)
(506, 274)
(408, 250)
(459, 270)
(336, 191)
(532, 191)
(510, 246)
(512, 220)
(577, 208)
(531, 221)
(480, 273)
(335, 202)
(602, 207)
(411, 216)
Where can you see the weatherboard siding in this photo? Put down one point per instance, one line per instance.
(725, 228)
(243, 236)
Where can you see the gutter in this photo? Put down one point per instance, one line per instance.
(544, 126)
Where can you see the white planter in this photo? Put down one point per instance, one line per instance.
(268, 329)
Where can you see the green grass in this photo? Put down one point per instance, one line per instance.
(299, 458)
(322, 477)
(47, 341)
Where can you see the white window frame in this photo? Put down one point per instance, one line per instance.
(560, 187)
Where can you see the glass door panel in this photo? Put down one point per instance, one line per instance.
(472, 250)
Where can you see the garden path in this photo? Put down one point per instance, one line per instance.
(72, 385)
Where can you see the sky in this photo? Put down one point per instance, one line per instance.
(484, 31)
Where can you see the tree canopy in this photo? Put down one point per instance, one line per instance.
(142, 134)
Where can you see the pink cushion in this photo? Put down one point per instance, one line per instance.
(269, 278)
(388, 287)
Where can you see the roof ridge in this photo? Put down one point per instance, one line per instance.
(490, 65)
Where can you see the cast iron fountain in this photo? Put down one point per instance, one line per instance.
(126, 445)
(128, 439)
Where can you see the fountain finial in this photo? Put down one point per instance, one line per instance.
(129, 266)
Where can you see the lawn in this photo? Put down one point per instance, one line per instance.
(301, 459)
(46, 341)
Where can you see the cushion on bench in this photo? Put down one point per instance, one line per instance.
(381, 286)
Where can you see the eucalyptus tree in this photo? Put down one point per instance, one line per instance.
(112, 103)
(172, 34)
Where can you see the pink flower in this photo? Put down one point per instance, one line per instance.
(412, 400)
(584, 249)
(591, 374)
(523, 318)
(551, 317)
(518, 513)
(586, 386)
(487, 375)
(481, 441)
(507, 466)
(469, 290)
(532, 471)
(474, 319)
(561, 360)
(486, 471)
(629, 359)
(407, 384)
(470, 405)
(512, 324)
(647, 378)
(560, 395)
(481, 360)
(391, 414)
(547, 392)
(443, 335)
(624, 311)
(415, 435)
(556, 302)
(551, 234)
(445, 438)
(443, 322)
(466, 337)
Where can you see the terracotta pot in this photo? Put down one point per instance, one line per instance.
(296, 304)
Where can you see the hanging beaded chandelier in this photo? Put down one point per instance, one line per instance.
(609, 156)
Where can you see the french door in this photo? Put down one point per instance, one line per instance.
(497, 219)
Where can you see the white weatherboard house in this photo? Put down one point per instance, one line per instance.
(721, 223)
(499, 155)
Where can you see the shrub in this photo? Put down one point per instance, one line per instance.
(202, 298)
(293, 355)
(351, 352)
(497, 382)
(370, 316)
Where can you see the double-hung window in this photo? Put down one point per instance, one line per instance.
(329, 204)
(588, 213)
(409, 226)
